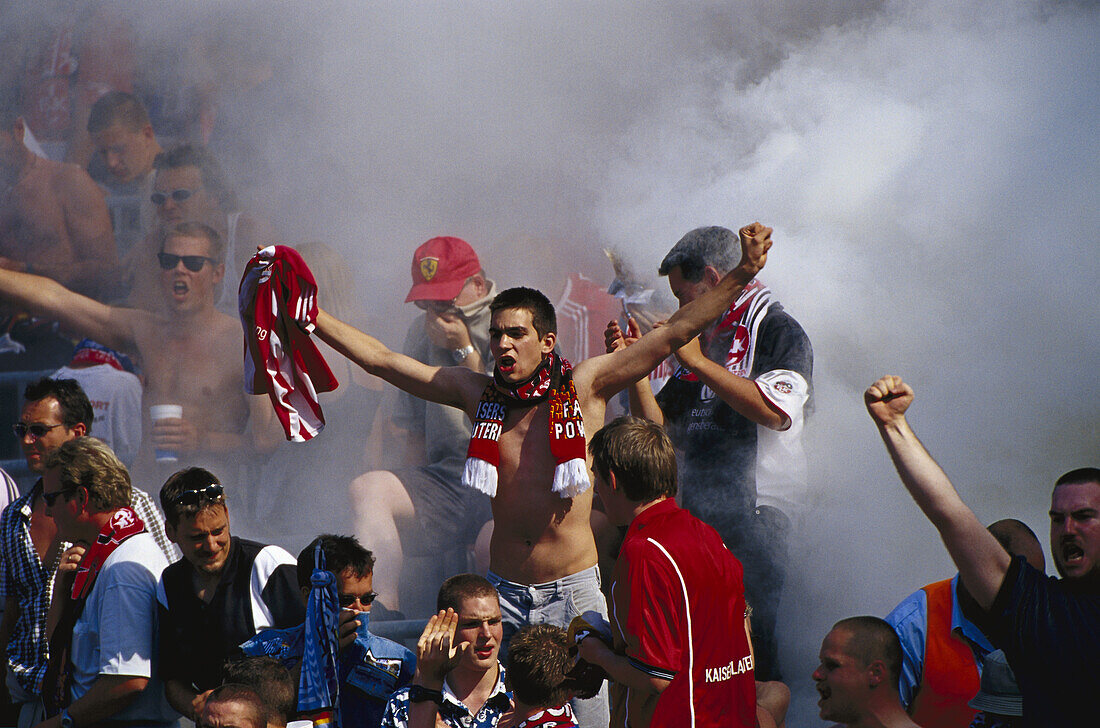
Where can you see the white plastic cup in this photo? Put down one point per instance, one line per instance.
(166, 412)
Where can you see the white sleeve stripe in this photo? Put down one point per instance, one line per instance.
(690, 640)
(269, 559)
(789, 403)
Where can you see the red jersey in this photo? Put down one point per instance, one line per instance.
(678, 613)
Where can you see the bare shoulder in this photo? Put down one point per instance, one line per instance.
(70, 179)
(589, 373)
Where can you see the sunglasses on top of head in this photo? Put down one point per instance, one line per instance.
(212, 492)
(193, 263)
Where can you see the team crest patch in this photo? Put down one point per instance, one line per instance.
(783, 386)
(428, 267)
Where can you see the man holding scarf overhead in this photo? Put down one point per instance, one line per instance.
(528, 448)
(102, 648)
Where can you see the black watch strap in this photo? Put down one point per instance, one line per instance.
(421, 694)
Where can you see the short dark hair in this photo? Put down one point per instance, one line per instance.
(117, 107)
(1079, 475)
(270, 680)
(872, 638)
(641, 456)
(90, 464)
(543, 317)
(247, 696)
(75, 407)
(181, 481)
(460, 587)
(196, 230)
(538, 660)
(341, 554)
(1010, 532)
(714, 246)
(197, 156)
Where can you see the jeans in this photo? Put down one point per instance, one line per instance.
(555, 602)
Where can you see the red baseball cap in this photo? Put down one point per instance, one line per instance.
(440, 268)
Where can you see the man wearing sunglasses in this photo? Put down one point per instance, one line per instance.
(53, 217)
(221, 593)
(190, 187)
(102, 649)
(55, 411)
(420, 505)
(370, 667)
(190, 352)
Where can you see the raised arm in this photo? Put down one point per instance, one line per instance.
(41, 296)
(453, 386)
(610, 373)
(981, 561)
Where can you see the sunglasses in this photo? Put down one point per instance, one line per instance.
(159, 198)
(193, 263)
(211, 492)
(36, 429)
(51, 498)
(346, 600)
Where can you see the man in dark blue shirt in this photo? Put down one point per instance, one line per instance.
(1048, 628)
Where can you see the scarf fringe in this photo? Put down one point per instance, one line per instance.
(482, 476)
(571, 478)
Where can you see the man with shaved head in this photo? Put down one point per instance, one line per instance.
(858, 675)
(234, 706)
(1048, 628)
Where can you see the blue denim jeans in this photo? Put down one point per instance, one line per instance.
(555, 602)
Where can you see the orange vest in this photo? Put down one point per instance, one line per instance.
(949, 677)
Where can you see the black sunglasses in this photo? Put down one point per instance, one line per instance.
(193, 263)
(159, 198)
(36, 429)
(346, 600)
(51, 498)
(211, 492)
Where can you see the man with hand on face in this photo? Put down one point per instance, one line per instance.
(1048, 628)
(370, 668)
(858, 675)
(102, 647)
(424, 505)
(222, 592)
(459, 681)
(527, 448)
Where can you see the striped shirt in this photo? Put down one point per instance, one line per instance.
(29, 582)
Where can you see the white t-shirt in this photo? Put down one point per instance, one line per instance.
(117, 631)
(116, 401)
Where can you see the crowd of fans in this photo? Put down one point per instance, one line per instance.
(593, 567)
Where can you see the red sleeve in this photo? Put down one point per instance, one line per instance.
(655, 614)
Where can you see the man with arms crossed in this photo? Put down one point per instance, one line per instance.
(1048, 628)
(542, 554)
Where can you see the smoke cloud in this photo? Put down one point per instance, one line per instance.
(931, 170)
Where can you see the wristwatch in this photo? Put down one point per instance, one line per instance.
(421, 694)
(66, 719)
(462, 354)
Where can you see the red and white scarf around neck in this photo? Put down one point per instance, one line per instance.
(554, 380)
(739, 324)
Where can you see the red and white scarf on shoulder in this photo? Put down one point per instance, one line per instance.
(552, 380)
(740, 324)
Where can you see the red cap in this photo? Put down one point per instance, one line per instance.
(440, 268)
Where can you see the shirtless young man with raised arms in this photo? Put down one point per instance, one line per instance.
(543, 554)
(191, 354)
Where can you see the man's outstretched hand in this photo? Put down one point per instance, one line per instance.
(436, 655)
(888, 399)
